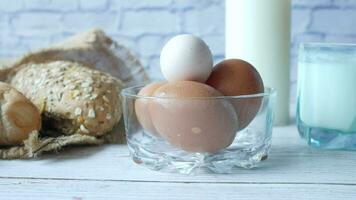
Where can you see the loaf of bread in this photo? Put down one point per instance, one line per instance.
(71, 97)
(19, 117)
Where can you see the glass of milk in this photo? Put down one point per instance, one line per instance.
(326, 108)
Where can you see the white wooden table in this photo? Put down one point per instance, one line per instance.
(292, 171)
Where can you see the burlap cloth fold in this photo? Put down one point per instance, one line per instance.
(96, 50)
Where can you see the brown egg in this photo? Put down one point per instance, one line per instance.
(141, 107)
(187, 116)
(235, 77)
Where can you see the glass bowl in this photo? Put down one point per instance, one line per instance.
(187, 135)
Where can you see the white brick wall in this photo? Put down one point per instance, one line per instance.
(145, 25)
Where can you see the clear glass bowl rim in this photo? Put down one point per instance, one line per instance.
(128, 92)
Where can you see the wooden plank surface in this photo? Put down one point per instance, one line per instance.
(28, 189)
(292, 169)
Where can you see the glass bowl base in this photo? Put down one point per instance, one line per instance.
(327, 138)
(247, 151)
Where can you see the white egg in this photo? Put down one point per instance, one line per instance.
(186, 57)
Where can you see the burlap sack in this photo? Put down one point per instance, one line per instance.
(94, 49)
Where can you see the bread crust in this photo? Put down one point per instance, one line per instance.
(71, 97)
(19, 116)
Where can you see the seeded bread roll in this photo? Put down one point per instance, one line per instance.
(18, 116)
(71, 97)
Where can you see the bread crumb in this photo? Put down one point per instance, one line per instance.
(93, 96)
(78, 111)
(91, 113)
(105, 99)
(85, 84)
(83, 129)
(75, 93)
